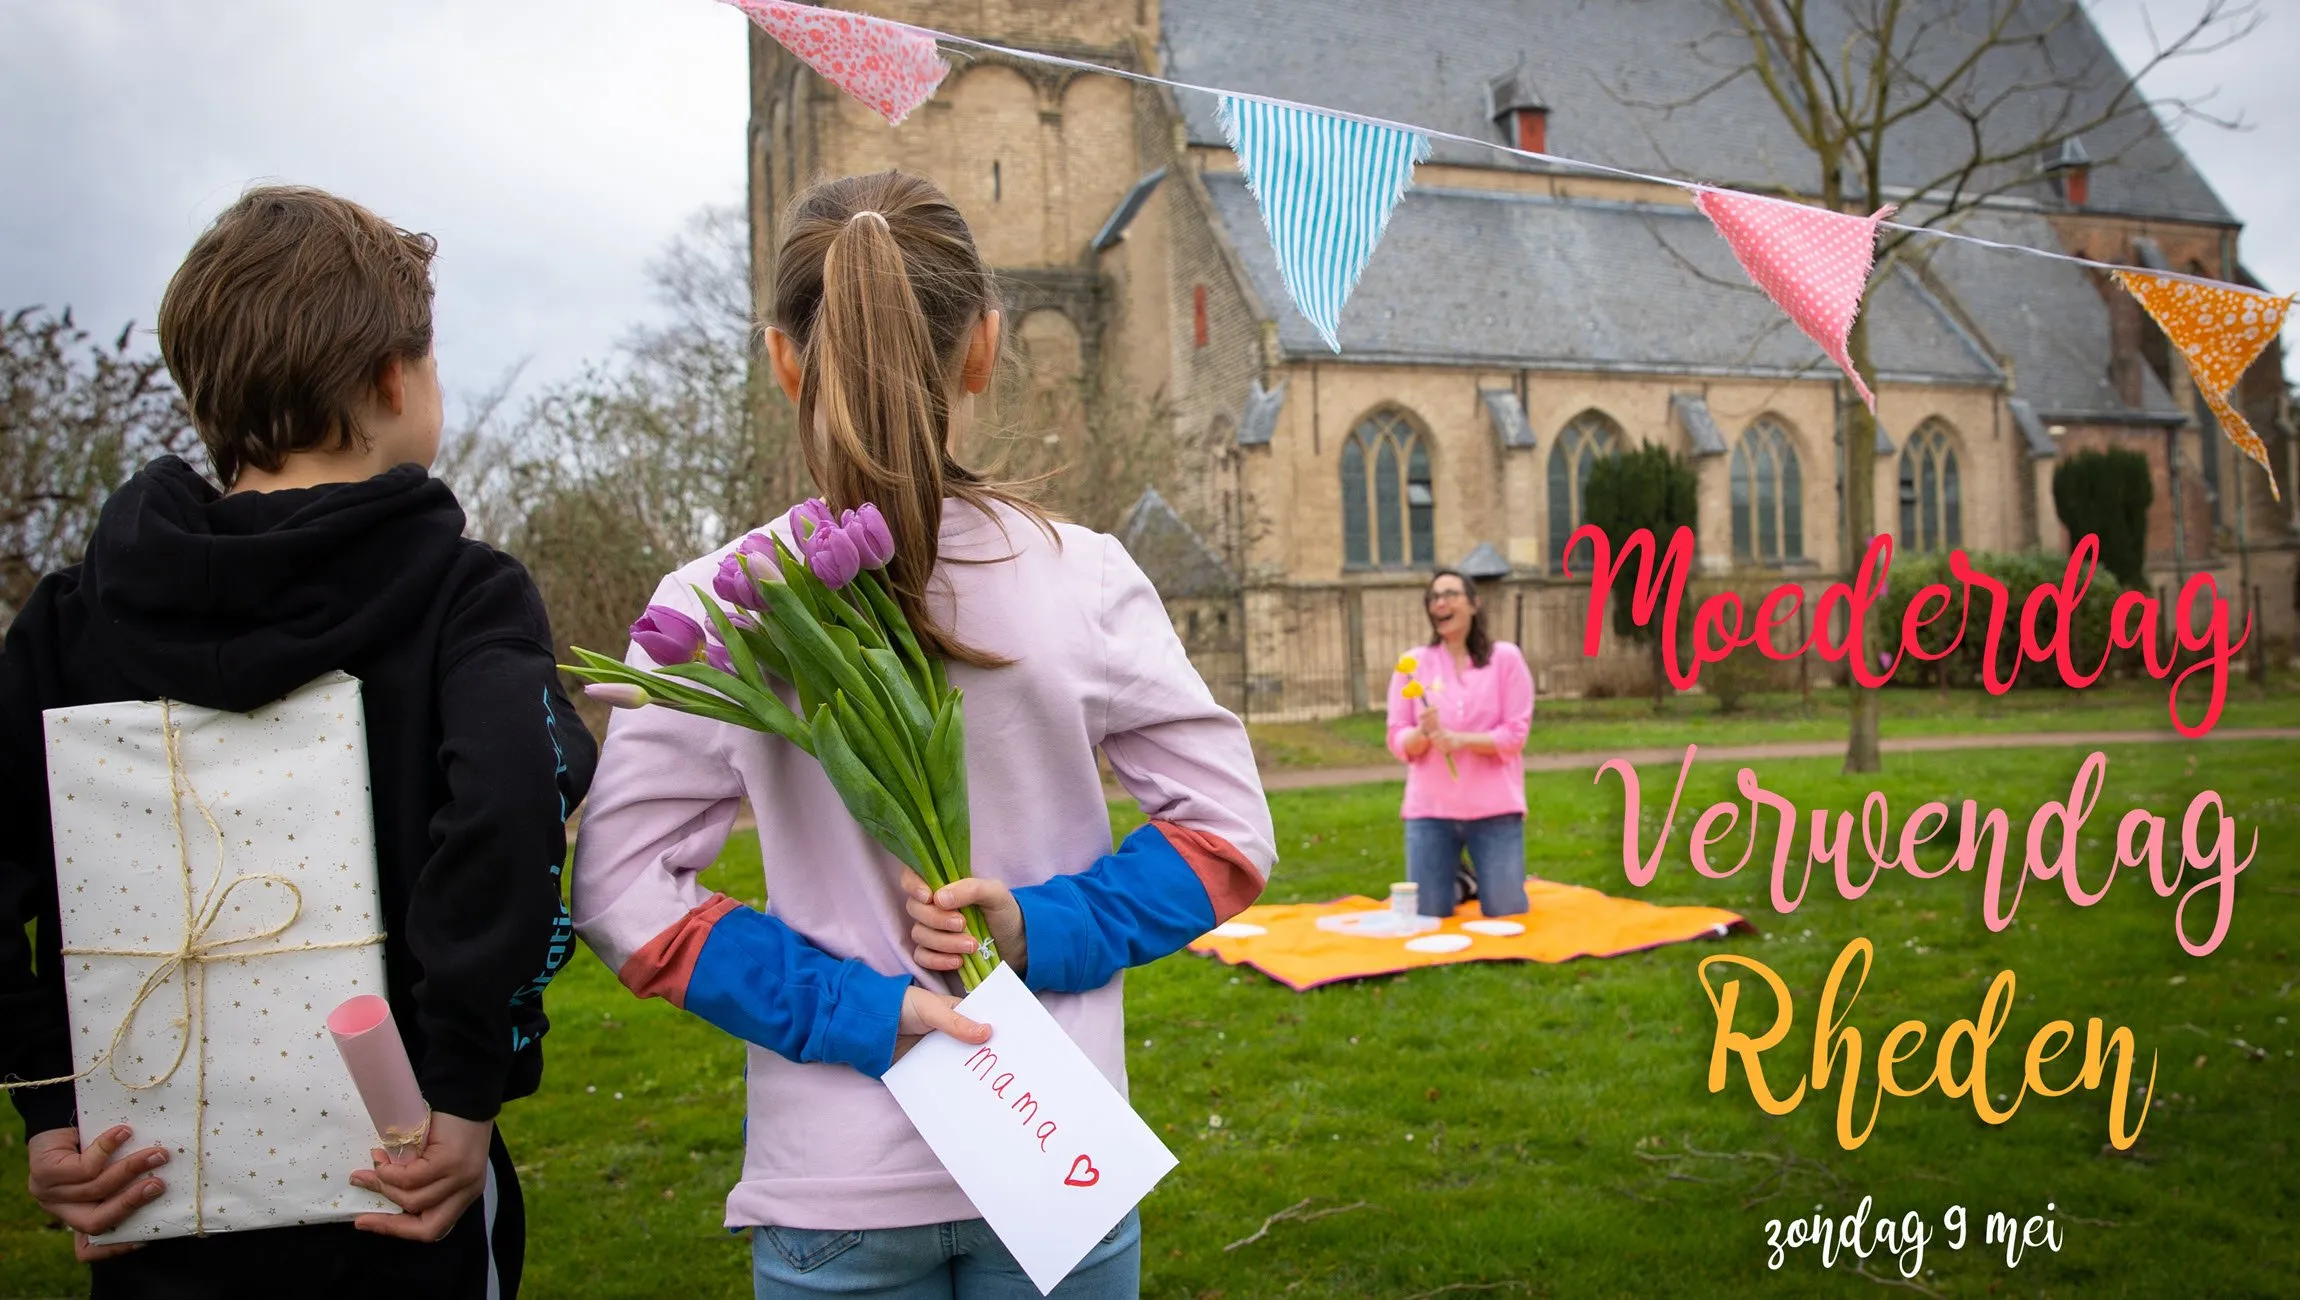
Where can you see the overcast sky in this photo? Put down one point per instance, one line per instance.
(554, 147)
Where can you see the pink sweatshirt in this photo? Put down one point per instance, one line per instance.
(1097, 663)
(1498, 699)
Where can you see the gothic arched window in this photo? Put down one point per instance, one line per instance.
(1768, 495)
(1590, 435)
(1388, 507)
(1932, 494)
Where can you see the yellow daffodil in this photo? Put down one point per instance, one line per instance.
(1413, 690)
(1407, 664)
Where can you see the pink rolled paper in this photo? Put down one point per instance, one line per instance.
(363, 1031)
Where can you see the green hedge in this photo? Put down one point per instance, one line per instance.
(2020, 573)
(2107, 493)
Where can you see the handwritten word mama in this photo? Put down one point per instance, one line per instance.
(982, 1064)
(1837, 1044)
(2139, 839)
(1721, 625)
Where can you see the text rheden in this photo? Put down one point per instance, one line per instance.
(1838, 1045)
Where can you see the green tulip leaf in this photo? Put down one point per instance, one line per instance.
(865, 798)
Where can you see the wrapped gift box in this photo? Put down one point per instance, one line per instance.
(219, 899)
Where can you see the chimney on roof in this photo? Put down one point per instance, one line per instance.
(1517, 108)
(2070, 171)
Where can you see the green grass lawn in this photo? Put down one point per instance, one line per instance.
(1546, 1130)
(1578, 726)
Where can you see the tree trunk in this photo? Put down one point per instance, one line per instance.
(1860, 525)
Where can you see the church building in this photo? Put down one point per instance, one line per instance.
(1518, 321)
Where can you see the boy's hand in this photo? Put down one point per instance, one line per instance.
(434, 1189)
(924, 1011)
(940, 932)
(88, 1191)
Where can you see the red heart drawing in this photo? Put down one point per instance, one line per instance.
(1091, 1177)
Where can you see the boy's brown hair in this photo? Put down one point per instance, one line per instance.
(280, 321)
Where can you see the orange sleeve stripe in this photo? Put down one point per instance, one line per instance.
(1231, 882)
(663, 967)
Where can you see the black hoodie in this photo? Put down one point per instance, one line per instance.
(475, 754)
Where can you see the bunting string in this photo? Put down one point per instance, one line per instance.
(1326, 181)
(1428, 133)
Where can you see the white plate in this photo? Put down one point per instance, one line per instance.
(1237, 930)
(1438, 943)
(1493, 929)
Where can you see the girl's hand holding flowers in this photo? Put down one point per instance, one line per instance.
(939, 927)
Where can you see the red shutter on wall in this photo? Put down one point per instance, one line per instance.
(1198, 314)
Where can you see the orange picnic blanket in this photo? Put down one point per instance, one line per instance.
(1285, 942)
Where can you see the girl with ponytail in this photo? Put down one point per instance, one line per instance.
(883, 330)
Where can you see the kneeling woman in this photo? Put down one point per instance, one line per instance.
(1460, 708)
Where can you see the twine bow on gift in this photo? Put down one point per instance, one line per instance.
(185, 964)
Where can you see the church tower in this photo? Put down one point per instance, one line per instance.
(1037, 158)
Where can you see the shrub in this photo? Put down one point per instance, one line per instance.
(2020, 573)
(2107, 494)
(1650, 487)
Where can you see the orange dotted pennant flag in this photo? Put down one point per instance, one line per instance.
(2220, 329)
(1813, 263)
(885, 65)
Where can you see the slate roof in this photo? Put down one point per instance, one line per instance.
(1485, 277)
(1172, 555)
(1605, 67)
(2045, 317)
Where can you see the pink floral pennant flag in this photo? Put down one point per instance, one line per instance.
(1812, 262)
(886, 65)
(2221, 330)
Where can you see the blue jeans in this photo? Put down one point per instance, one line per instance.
(1496, 847)
(939, 1261)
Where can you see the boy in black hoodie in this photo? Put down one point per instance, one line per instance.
(299, 329)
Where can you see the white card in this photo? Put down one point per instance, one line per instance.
(1046, 1149)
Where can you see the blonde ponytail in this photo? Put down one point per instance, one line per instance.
(879, 284)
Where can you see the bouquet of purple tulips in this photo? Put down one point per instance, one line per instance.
(873, 708)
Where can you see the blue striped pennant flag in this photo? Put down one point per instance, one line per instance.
(1326, 186)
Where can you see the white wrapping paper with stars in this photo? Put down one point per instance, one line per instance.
(216, 873)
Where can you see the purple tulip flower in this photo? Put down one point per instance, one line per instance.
(717, 657)
(832, 556)
(734, 586)
(809, 517)
(667, 636)
(871, 536)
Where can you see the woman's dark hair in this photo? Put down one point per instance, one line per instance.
(1480, 643)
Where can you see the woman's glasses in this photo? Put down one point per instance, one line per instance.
(1441, 597)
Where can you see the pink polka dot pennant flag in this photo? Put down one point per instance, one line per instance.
(2221, 330)
(885, 65)
(1812, 262)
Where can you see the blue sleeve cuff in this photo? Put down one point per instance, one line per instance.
(1128, 909)
(761, 981)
